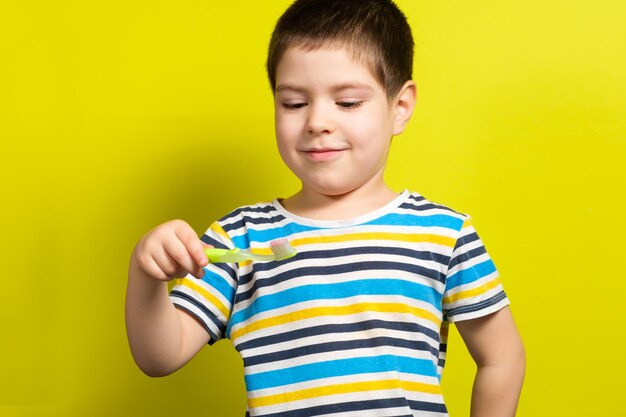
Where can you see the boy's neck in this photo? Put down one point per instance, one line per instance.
(314, 205)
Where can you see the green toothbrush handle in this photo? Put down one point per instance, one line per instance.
(216, 254)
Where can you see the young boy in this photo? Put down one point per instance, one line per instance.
(356, 323)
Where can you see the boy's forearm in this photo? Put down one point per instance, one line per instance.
(498, 350)
(497, 390)
(152, 324)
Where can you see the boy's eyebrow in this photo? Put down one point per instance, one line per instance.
(335, 88)
(289, 87)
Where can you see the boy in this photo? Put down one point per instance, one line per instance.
(356, 323)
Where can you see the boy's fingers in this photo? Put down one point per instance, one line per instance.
(166, 263)
(193, 245)
(180, 255)
(152, 268)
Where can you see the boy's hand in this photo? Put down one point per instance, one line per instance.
(171, 250)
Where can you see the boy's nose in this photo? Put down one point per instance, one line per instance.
(319, 120)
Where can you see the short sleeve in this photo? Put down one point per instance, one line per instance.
(211, 298)
(473, 287)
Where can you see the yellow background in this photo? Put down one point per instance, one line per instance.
(118, 115)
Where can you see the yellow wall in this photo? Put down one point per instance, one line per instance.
(118, 115)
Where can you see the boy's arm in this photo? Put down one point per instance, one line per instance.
(162, 338)
(497, 348)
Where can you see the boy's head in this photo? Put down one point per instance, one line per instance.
(374, 32)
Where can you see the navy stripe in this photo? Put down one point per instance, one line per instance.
(209, 314)
(409, 327)
(247, 209)
(443, 260)
(347, 407)
(375, 342)
(427, 206)
(426, 406)
(338, 270)
(232, 273)
(416, 197)
(466, 256)
(200, 320)
(226, 267)
(464, 240)
(209, 240)
(242, 223)
(478, 306)
(369, 250)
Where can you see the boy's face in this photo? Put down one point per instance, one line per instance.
(334, 122)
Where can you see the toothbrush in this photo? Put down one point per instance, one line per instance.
(281, 250)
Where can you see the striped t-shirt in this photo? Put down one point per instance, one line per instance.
(356, 323)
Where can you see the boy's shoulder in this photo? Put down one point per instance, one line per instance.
(256, 209)
(262, 212)
(421, 205)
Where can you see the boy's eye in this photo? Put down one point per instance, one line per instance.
(294, 106)
(349, 104)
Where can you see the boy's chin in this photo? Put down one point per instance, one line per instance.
(330, 190)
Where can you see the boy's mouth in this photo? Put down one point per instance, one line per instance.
(323, 154)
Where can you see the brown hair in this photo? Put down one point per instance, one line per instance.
(376, 32)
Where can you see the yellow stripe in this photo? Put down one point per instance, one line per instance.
(206, 294)
(471, 293)
(221, 232)
(334, 311)
(218, 229)
(343, 389)
(467, 223)
(404, 237)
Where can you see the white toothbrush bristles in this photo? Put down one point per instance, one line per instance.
(282, 249)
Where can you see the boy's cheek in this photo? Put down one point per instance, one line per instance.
(286, 134)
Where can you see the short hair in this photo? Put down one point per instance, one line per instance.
(375, 32)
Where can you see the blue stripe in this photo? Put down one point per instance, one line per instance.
(345, 269)
(269, 235)
(219, 284)
(242, 242)
(337, 291)
(436, 220)
(408, 220)
(466, 276)
(340, 367)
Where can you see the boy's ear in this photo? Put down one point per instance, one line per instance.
(404, 105)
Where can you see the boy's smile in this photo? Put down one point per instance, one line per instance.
(334, 122)
(323, 154)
